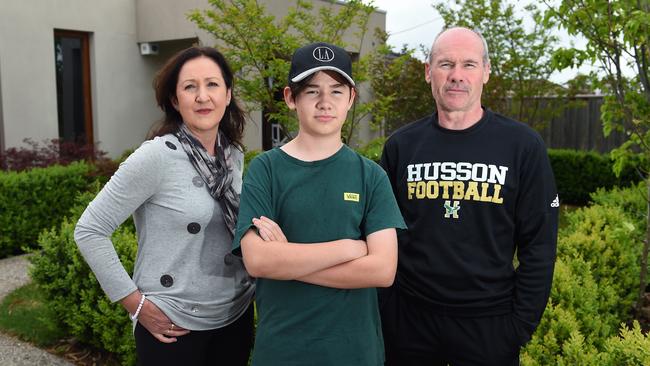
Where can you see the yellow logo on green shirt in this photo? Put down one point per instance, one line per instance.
(351, 197)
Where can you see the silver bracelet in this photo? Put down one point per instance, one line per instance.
(137, 311)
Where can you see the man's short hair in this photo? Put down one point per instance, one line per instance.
(486, 55)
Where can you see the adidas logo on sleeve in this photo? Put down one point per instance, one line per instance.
(556, 201)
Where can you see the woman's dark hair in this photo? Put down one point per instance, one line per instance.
(164, 84)
(297, 88)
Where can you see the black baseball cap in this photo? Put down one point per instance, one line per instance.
(317, 57)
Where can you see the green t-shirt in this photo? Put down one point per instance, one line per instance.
(345, 196)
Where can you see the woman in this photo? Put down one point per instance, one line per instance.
(317, 228)
(189, 298)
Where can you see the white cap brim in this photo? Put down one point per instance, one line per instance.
(304, 74)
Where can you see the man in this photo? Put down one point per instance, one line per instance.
(474, 188)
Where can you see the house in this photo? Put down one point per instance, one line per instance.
(83, 69)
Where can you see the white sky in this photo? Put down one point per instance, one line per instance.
(416, 22)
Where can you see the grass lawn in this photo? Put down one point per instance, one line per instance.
(23, 313)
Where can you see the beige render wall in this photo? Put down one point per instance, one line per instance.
(29, 96)
(164, 20)
(123, 105)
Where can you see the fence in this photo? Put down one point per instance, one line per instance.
(579, 127)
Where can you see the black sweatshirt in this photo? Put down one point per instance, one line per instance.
(470, 198)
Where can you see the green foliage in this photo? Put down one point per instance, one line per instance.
(572, 295)
(373, 149)
(565, 210)
(607, 240)
(24, 313)
(74, 294)
(579, 173)
(401, 95)
(519, 57)
(248, 157)
(36, 199)
(260, 51)
(594, 288)
(616, 34)
(631, 348)
(632, 200)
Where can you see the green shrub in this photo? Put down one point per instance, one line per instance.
(36, 199)
(579, 173)
(73, 292)
(631, 199)
(607, 239)
(576, 322)
(594, 287)
(631, 348)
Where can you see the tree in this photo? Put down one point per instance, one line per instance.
(401, 93)
(618, 40)
(520, 59)
(259, 47)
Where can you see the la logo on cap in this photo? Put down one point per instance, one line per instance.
(323, 54)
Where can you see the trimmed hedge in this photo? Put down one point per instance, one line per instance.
(594, 288)
(37, 199)
(73, 291)
(579, 173)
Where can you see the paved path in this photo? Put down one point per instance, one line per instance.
(13, 274)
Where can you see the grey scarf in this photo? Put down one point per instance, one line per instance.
(215, 174)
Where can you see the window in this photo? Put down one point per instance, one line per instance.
(72, 61)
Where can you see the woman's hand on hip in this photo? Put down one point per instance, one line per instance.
(158, 324)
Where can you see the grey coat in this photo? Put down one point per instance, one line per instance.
(184, 264)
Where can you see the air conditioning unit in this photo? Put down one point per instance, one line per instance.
(147, 48)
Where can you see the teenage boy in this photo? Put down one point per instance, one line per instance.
(317, 228)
